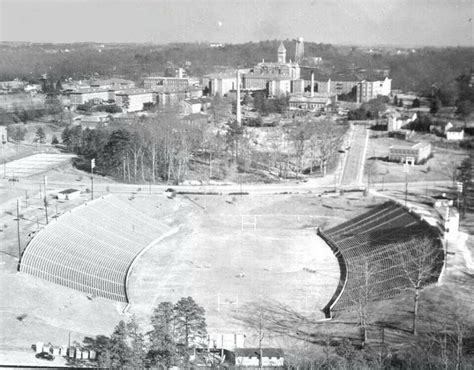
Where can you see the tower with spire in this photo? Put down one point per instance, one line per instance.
(281, 53)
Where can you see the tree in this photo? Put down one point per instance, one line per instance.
(118, 350)
(162, 337)
(327, 139)
(40, 136)
(464, 108)
(416, 103)
(190, 324)
(59, 86)
(54, 140)
(419, 259)
(435, 105)
(137, 343)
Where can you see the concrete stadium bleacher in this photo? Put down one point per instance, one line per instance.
(372, 243)
(92, 247)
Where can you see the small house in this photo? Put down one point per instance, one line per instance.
(455, 133)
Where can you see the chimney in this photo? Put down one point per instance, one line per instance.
(239, 119)
(312, 84)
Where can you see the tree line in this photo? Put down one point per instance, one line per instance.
(176, 330)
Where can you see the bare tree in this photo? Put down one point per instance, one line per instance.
(327, 139)
(365, 271)
(419, 259)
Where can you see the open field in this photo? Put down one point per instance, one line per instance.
(438, 168)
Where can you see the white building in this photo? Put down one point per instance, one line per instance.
(279, 86)
(191, 106)
(133, 100)
(92, 94)
(317, 102)
(370, 89)
(220, 83)
(410, 153)
(250, 357)
(455, 133)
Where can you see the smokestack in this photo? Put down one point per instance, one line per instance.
(239, 118)
(312, 84)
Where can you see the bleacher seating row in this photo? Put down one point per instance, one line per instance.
(92, 247)
(369, 249)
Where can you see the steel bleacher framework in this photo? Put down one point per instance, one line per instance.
(373, 242)
(92, 247)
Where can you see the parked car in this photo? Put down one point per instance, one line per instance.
(45, 356)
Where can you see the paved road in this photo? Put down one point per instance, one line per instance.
(355, 157)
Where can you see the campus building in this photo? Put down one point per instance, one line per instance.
(166, 84)
(220, 83)
(96, 95)
(370, 89)
(412, 154)
(132, 100)
(262, 73)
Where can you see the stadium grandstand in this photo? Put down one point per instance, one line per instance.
(92, 247)
(374, 251)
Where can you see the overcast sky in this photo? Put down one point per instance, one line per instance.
(363, 22)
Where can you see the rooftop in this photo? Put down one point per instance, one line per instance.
(417, 145)
(134, 92)
(456, 129)
(89, 90)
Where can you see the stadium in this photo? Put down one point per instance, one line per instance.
(126, 250)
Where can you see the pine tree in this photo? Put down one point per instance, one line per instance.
(137, 343)
(40, 136)
(162, 337)
(190, 323)
(118, 351)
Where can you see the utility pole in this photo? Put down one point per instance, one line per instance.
(45, 200)
(92, 178)
(406, 169)
(18, 227)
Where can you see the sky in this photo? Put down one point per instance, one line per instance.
(349, 22)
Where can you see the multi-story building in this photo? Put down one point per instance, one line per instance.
(113, 84)
(262, 73)
(95, 95)
(132, 100)
(370, 89)
(166, 84)
(412, 154)
(221, 83)
(279, 86)
(316, 102)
